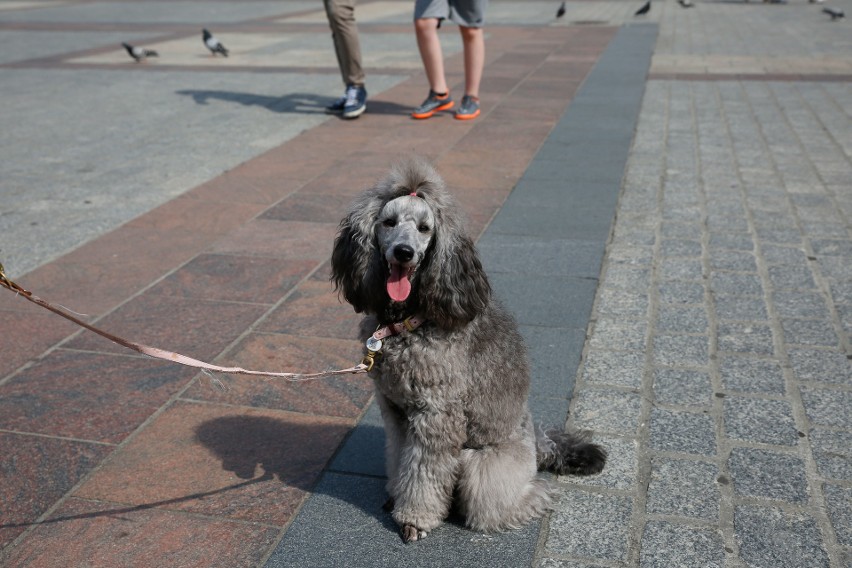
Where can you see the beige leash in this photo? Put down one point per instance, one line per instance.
(156, 353)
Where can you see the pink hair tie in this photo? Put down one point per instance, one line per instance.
(413, 194)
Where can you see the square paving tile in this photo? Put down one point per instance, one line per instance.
(291, 240)
(240, 463)
(31, 334)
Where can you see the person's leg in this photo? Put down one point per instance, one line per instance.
(473, 41)
(344, 32)
(430, 52)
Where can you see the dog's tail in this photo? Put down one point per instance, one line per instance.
(564, 452)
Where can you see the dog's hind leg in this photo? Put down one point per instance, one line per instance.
(498, 488)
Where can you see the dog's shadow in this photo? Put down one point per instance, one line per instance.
(278, 451)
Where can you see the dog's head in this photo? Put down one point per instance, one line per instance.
(401, 249)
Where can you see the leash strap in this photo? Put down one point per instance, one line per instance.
(170, 355)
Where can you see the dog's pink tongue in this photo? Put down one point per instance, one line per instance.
(398, 285)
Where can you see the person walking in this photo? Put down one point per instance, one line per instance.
(344, 34)
(470, 17)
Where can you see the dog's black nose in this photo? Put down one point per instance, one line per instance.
(403, 253)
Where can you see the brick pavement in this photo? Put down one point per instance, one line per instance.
(714, 362)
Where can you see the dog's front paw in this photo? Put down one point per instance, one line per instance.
(410, 533)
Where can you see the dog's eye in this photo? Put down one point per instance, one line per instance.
(424, 228)
(389, 222)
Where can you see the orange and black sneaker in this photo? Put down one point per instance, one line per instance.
(433, 103)
(468, 109)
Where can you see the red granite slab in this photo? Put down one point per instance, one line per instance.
(36, 472)
(28, 335)
(315, 310)
(106, 535)
(307, 206)
(236, 278)
(238, 463)
(290, 240)
(207, 217)
(191, 326)
(345, 396)
(88, 395)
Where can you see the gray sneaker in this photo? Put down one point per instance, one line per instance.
(468, 109)
(356, 102)
(432, 104)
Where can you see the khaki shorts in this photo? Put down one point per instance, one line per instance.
(467, 13)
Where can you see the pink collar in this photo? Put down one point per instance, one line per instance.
(408, 324)
(374, 343)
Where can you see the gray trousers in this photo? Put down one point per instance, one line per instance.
(344, 33)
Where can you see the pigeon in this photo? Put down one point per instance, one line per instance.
(214, 45)
(686, 3)
(561, 11)
(139, 53)
(646, 7)
(834, 13)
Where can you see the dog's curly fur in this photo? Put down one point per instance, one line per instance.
(453, 392)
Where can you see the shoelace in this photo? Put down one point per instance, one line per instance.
(351, 96)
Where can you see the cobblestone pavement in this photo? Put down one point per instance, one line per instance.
(717, 368)
(694, 208)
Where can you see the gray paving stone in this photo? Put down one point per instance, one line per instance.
(675, 431)
(681, 269)
(809, 332)
(772, 538)
(751, 375)
(760, 420)
(838, 501)
(721, 259)
(735, 283)
(559, 563)
(621, 469)
(821, 365)
(668, 545)
(791, 277)
(681, 350)
(832, 451)
(749, 308)
(627, 276)
(740, 337)
(681, 292)
(683, 320)
(800, 304)
(607, 410)
(832, 247)
(624, 368)
(828, 407)
(761, 473)
(793, 257)
(590, 525)
(610, 333)
(622, 303)
(682, 387)
(680, 248)
(732, 241)
(683, 487)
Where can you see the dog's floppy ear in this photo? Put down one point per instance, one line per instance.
(453, 285)
(355, 259)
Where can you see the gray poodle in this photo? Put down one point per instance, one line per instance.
(448, 363)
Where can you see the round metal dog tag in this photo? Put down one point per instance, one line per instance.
(374, 345)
